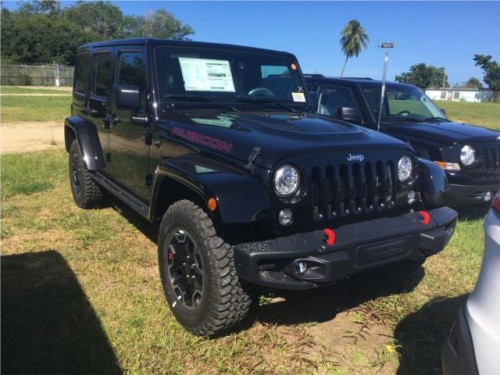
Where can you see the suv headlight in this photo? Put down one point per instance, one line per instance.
(467, 155)
(405, 168)
(286, 181)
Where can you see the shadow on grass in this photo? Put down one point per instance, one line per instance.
(421, 334)
(323, 304)
(472, 212)
(48, 325)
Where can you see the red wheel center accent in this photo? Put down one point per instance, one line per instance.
(170, 256)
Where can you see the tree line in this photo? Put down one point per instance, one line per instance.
(43, 32)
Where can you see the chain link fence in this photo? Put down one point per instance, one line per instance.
(37, 75)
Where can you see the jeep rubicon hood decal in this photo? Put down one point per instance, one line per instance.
(277, 135)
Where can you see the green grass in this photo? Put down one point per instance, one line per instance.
(81, 291)
(35, 108)
(483, 114)
(10, 90)
(93, 274)
(27, 174)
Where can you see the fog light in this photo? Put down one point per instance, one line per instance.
(487, 196)
(285, 217)
(301, 267)
(412, 197)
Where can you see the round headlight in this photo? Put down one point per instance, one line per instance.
(286, 181)
(405, 168)
(467, 155)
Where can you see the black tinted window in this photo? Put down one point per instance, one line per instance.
(131, 70)
(82, 76)
(103, 74)
(332, 99)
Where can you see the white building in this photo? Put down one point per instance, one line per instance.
(460, 94)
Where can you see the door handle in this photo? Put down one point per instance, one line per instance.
(90, 111)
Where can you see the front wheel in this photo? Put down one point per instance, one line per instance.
(198, 273)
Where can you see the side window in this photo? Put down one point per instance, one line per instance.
(331, 99)
(103, 74)
(82, 70)
(131, 70)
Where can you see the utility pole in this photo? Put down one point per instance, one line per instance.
(385, 46)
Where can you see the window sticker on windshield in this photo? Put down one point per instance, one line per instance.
(298, 97)
(206, 75)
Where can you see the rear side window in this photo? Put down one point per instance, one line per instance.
(82, 70)
(103, 74)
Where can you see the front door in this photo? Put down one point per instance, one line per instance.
(128, 160)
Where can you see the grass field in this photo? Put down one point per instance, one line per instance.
(27, 104)
(484, 114)
(81, 294)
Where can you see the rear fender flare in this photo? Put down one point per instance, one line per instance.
(86, 134)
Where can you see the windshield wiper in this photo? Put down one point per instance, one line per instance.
(200, 99)
(265, 101)
(436, 119)
(400, 117)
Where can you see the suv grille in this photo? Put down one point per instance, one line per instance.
(350, 189)
(489, 158)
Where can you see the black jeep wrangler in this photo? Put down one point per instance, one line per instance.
(213, 144)
(469, 154)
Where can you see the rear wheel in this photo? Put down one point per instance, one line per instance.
(86, 192)
(198, 273)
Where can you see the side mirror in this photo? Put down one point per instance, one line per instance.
(349, 114)
(126, 96)
(443, 111)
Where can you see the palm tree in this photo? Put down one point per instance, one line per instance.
(353, 39)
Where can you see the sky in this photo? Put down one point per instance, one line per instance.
(440, 33)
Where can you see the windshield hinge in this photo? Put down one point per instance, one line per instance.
(254, 155)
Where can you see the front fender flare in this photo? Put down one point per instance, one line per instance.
(241, 197)
(86, 134)
(434, 182)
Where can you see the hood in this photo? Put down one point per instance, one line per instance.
(443, 131)
(277, 135)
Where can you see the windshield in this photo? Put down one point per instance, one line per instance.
(400, 101)
(229, 78)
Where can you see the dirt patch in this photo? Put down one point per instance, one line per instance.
(354, 345)
(31, 136)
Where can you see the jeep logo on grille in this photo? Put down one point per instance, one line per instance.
(356, 157)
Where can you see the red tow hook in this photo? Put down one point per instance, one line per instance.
(330, 236)
(426, 218)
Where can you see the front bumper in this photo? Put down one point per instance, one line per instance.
(279, 262)
(464, 195)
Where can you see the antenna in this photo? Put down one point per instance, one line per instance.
(385, 46)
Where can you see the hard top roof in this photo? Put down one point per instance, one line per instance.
(175, 43)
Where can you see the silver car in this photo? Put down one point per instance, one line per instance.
(473, 346)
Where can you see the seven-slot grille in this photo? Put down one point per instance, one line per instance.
(349, 189)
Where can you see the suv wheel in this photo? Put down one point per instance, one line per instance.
(198, 273)
(86, 192)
